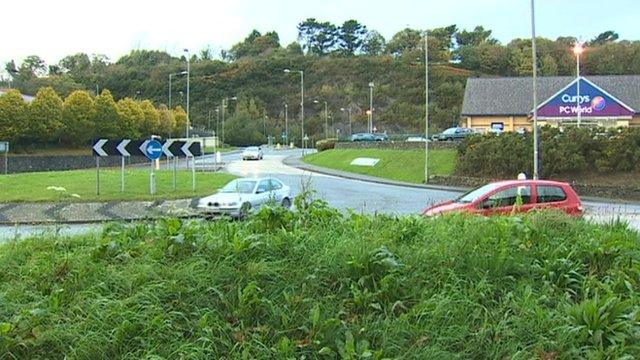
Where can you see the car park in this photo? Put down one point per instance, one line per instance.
(241, 196)
(453, 134)
(502, 198)
(252, 153)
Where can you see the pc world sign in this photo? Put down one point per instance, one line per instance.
(592, 101)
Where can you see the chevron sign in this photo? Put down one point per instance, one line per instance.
(128, 147)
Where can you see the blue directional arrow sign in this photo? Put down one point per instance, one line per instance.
(153, 150)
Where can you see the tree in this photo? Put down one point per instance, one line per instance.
(44, 121)
(180, 117)
(166, 121)
(475, 37)
(351, 37)
(317, 38)
(106, 118)
(548, 66)
(404, 41)
(441, 43)
(78, 114)
(255, 44)
(33, 66)
(294, 49)
(244, 127)
(374, 44)
(605, 37)
(131, 118)
(13, 114)
(151, 122)
(78, 65)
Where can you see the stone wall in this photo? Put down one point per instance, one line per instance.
(35, 163)
(395, 145)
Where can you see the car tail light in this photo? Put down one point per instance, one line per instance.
(580, 208)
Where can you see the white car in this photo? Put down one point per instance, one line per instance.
(241, 196)
(252, 153)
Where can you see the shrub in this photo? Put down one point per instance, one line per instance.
(326, 144)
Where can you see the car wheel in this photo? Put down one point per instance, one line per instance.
(286, 203)
(244, 210)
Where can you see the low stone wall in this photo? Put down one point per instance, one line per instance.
(35, 163)
(601, 191)
(395, 145)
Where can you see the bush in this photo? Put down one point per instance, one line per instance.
(326, 144)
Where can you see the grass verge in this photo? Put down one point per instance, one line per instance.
(319, 284)
(402, 165)
(35, 187)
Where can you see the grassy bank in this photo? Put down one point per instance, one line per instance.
(402, 165)
(317, 284)
(37, 186)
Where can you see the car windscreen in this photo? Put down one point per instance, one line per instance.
(474, 194)
(450, 131)
(239, 186)
(252, 148)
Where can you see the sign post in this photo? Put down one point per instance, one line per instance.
(4, 148)
(153, 151)
(122, 149)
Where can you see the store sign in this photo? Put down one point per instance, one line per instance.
(590, 101)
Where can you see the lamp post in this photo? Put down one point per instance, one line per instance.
(286, 122)
(223, 107)
(578, 49)
(348, 110)
(326, 121)
(426, 107)
(536, 165)
(188, 76)
(170, 75)
(287, 71)
(371, 106)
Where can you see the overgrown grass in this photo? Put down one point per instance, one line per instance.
(319, 284)
(403, 165)
(37, 186)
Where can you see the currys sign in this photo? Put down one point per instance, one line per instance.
(591, 102)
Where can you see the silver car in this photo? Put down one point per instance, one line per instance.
(252, 153)
(241, 196)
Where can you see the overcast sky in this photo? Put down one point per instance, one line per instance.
(53, 29)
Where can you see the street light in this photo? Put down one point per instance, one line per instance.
(426, 107)
(286, 122)
(349, 114)
(170, 75)
(326, 121)
(536, 165)
(578, 49)
(188, 76)
(287, 71)
(224, 106)
(371, 107)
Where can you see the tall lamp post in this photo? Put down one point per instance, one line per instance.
(426, 107)
(348, 110)
(371, 106)
(225, 101)
(536, 165)
(188, 76)
(578, 49)
(326, 121)
(287, 71)
(170, 76)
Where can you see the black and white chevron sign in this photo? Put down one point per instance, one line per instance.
(128, 147)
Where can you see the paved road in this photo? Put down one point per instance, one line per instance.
(354, 194)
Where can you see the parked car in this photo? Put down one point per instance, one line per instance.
(454, 133)
(241, 196)
(500, 197)
(363, 137)
(381, 137)
(252, 153)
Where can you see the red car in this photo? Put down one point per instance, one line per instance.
(500, 197)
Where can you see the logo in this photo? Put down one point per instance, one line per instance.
(598, 103)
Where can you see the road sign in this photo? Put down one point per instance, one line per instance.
(4, 147)
(153, 150)
(127, 147)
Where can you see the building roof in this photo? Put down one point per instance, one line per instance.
(514, 95)
(26, 98)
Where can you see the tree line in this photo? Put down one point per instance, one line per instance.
(339, 61)
(81, 117)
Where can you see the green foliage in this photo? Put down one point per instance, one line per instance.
(13, 116)
(151, 122)
(132, 118)
(107, 118)
(316, 283)
(166, 121)
(44, 118)
(78, 116)
(326, 144)
(244, 127)
(180, 119)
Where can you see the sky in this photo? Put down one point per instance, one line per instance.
(53, 29)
